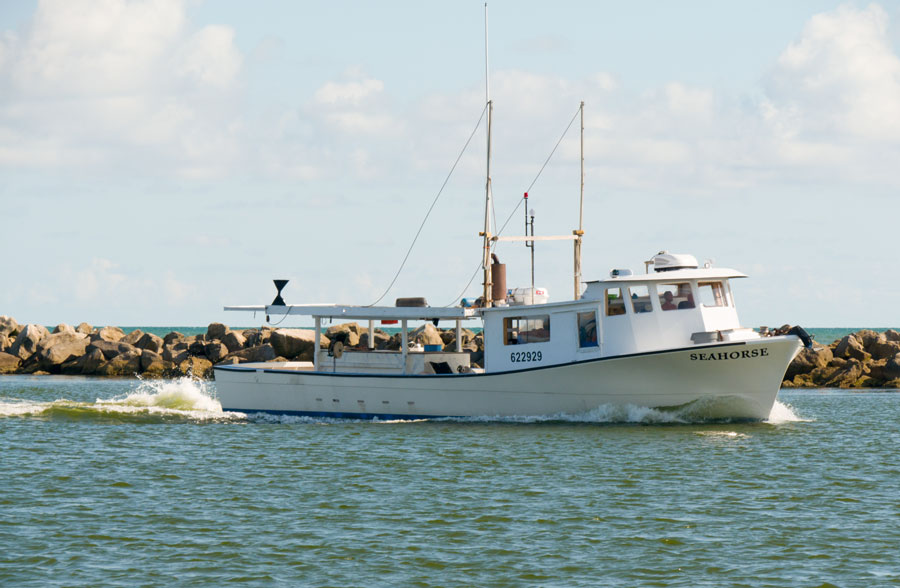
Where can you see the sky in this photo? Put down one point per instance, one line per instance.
(163, 158)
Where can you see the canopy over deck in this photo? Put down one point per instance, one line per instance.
(364, 312)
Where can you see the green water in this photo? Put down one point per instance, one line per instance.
(112, 482)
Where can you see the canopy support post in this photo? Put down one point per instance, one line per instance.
(404, 343)
(317, 343)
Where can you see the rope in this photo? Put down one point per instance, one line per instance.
(509, 218)
(433, 202)
(534, 181)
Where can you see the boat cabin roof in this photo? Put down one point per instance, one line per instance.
(706, 273)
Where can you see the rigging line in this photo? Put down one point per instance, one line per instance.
(472, 279)
(433, 202)
(534, 181)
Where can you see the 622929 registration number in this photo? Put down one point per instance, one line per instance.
(523, 356)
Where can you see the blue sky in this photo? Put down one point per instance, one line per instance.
(161, 159)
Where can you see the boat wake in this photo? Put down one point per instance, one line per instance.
(696, 413)
(181, 400)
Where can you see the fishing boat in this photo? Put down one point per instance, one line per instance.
(668, 338)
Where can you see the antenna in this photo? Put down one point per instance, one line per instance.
(487, 71)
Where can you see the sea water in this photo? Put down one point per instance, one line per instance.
(112, 482)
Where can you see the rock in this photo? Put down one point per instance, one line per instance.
(86, 365)
(173, 337)
(427, 334)
(216, 332)
(153, 364)
(847, 376)
(111, 349)
(891, 369)
(230, 360)
(55, 350)
(257, 353)
(63, 328)
(233, 341)
(151, 342)
(26, 342)
(197, 348)
(882, 348)
(892, 335)
(381, 338)
(8, 326)
(133, 337)
(347, 332)
(215, 351)
(84, 329)
(124, 364)
(851, 347)
(197, 367)
(9, 363)
(892, 383)
(5, 343)
(808, 360)
(866, 337)
(112, 334)
(170, 353)
(292, 343)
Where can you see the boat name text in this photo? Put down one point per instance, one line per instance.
(723, 355)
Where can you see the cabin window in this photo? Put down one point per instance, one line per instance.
(614, 303)
(675, 296)
(640, 299)
(587, 329)
(712, 294)
(520, 330)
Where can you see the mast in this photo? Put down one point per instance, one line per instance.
(486, 260)
(580, 232)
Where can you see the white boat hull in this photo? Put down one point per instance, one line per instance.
(730, 380)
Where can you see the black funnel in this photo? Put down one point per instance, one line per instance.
(279, 284)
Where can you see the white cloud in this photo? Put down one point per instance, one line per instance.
(348, 92)
(210, 57)
(840, 78)
(120, 85)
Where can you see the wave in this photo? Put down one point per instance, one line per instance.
(695, 413)
(181, 400)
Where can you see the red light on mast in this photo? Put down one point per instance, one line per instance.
(526, 195)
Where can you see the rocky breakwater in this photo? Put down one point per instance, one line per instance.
(109, 351)
(864, 359)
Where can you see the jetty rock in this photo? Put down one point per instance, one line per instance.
(427, 334)
(864, 359)
(55, 350)
(216, 332)
(263, 352)
(8, 326)
(234, 341)
(9, 364)
(347, 333)
(108, 334)
(151, 342)
(297, 343)
(27, 341)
